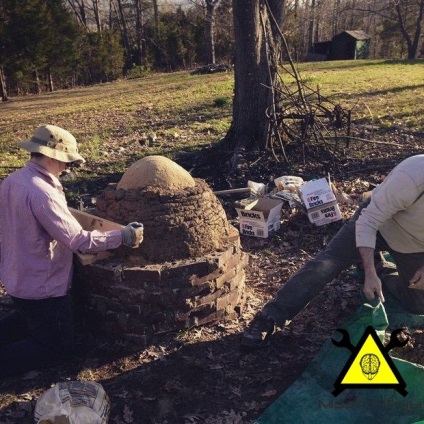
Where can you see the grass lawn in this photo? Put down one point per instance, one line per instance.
(113, 122)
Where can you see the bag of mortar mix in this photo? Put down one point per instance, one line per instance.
(73, 402)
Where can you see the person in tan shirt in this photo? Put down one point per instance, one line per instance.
(392, 220)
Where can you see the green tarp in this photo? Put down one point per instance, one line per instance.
(310, 399)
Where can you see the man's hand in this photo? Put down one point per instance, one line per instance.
(132, 234)
(372, 288)
(372, 284)
(417, 281)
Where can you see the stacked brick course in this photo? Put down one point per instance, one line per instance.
(188, 271)
(140, 301)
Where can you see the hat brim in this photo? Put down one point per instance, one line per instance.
(67, 157)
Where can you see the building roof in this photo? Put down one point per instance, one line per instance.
(358, 34)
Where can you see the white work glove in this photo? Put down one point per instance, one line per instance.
(132, 234)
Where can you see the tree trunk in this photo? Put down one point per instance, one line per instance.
(3, 89)
(97, 15)
(124, 33)
(253, 75)
(336, 11)
(111, 14)
(210, 29)
(412, 44)
(156, 15)
(79, 9)
(352, 16)
(418, 27)
(311, 27)
(50, 80)
(139, 32)
(36, 83)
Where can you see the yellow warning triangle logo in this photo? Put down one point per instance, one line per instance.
(369, 365)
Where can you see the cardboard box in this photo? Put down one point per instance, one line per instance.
(325, 214)
(320, 202)
(316, 193)
(261, 218)
(91, 222)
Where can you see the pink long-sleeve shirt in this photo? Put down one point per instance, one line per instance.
(38, 235)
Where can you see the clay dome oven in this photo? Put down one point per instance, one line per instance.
(182, 217)
(189, 270)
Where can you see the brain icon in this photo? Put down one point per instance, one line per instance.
(370, 365)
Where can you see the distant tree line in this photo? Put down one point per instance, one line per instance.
(51, 44)
(395, 26)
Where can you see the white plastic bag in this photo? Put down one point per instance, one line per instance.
(73, 402)
(288, 182)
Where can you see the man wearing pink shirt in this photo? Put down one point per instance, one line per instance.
(38, 236)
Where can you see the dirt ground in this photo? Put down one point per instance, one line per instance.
(201, 375)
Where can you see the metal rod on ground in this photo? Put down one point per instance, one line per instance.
(233, 190)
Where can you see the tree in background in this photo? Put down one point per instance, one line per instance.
(211, 6)
(78, 6)
(3, 47)
(395, 26)
(224, 34)
(214, 26)
(257, 51)
(101, 59)
(172, 45)
(3, 88)
(50, 44)
(40, 42)
(44, 47)
(408, 16)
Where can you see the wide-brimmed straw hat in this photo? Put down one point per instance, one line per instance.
(54, 142)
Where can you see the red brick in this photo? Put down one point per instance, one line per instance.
(177, 282)
(102, 272)
(201, 290)
(217, 275)
(219, 259)
(203, 300)
(138, 274)
(196, 280)
(237, 281)
(228, 301)
(186, 269)
(204, 319)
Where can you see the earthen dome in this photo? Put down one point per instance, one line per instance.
(181, 215)
(189, 269)
(156, 171)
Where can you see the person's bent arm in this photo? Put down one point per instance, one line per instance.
(372, 284)
(53, 214)
(387, 200)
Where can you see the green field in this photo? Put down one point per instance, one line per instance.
(113, 121)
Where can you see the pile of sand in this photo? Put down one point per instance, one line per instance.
(156, 171)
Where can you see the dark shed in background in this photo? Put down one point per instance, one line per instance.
(350, 45)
